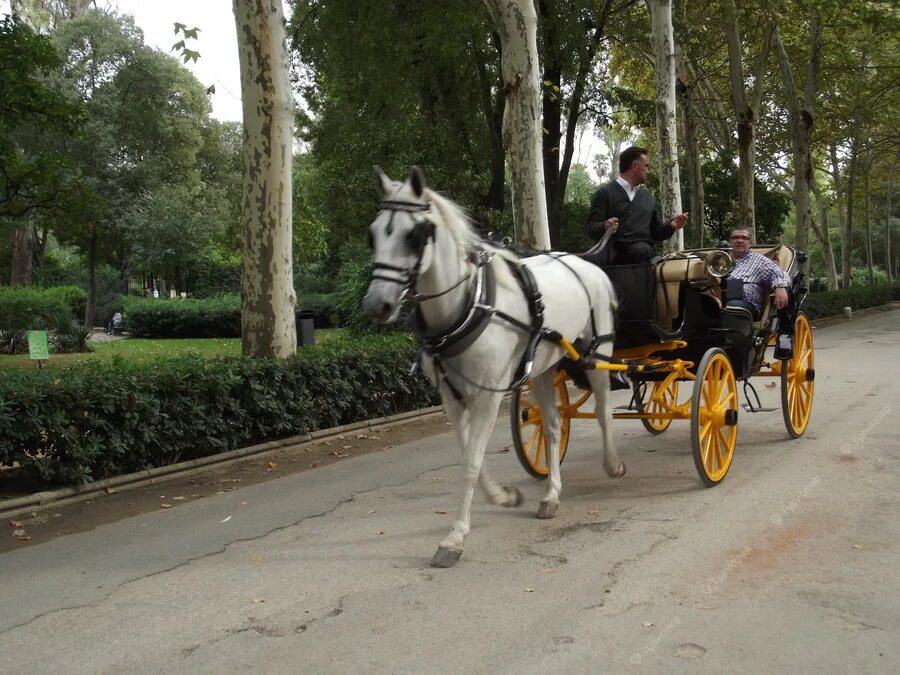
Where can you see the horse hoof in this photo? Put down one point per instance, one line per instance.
(513, 497)
(446, 557)
(618, 472)
(547, 510)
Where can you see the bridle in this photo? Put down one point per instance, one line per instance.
(422, 232)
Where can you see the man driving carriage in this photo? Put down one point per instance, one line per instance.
(626, 207)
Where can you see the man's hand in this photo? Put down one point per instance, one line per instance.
(781, 298)
(679, 221)
(612, 223)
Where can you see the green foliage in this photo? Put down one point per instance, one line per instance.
(71, 338)
(209, 276)
(214, 317)
(38, 309)
(101, 419)
(721, 203)
(832, 303)
(32, 175)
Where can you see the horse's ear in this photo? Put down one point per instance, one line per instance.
(417, 180)
(382, 182)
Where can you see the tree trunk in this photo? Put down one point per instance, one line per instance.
(268, 300)
(90, 307)
(693, 162)
(492, 108)
(801, 122)
(888, 263)
(745, 112)
(663, 42)
(847, 233)
(839, 203)
(822, 232)
(22, 253)
(870, 265)
(516, 23)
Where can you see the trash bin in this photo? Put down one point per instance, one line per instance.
(305, 327)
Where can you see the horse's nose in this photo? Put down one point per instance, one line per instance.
(376, 309)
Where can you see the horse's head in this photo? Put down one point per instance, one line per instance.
(402, 238)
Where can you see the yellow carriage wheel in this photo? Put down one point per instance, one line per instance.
(714, 408)
(798, 376)
(528, 427)
(657, 425)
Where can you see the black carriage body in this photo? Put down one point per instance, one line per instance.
(701, 320)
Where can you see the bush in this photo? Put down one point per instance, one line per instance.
(832, 303)
(217, 317)
(324, 309)
(37, 309)
(103, 418)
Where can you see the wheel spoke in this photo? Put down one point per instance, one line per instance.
(538, 433)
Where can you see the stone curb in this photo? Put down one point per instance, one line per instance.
(44, 500)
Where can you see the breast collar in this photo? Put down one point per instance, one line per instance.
(475, 317)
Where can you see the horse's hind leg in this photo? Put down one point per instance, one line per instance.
(473, 433)
(542, 389)
(614, 466)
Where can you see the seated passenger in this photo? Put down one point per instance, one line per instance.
(626, 206)
(758, 273)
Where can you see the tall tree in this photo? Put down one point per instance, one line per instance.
(268, 299)
(516, 23)
(801, 125)
(662, 39)
(746, 109)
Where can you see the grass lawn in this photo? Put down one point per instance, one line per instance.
(135, 349)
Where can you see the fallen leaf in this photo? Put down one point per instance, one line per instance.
(647, 624)
(225, 520)
(256, 601)
(16, 523)
(362, 436)
(371, 511)
(243, 503)
(506, 449)
(165, 506)
(110, 491)
(593, 513)
(857, 546)
(179, 499)
(380, 531)
(529, 590)
(771, 385)
(25, 538)
(337, 453)
(347, 447)
(273, 465)
(18, 533)
(441, 513)
(374, 438)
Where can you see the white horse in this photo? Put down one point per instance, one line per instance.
(425, 249)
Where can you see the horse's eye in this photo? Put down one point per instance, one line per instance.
(419, 235)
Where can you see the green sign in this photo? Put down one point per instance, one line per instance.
(37, 345)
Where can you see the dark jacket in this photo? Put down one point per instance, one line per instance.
(639, 220)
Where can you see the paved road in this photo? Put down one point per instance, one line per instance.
(790, 565)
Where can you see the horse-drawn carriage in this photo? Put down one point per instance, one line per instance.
(674, 327)
(490, 322)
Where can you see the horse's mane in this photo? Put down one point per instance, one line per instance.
(460, 226)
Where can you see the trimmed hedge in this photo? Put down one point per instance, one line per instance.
(31, 308)
(832, 303)
(217, 317)
(98, 419)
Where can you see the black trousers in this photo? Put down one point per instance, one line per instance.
(623, 253)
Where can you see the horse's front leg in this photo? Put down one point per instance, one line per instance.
(542, 389)
(474, 423)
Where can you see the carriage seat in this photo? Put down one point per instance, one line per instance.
(669, 273)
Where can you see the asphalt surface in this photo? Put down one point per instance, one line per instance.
(790, 565)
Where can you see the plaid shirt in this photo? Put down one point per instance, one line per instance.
(757, 271)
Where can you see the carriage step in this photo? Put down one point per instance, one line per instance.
(747, 408)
